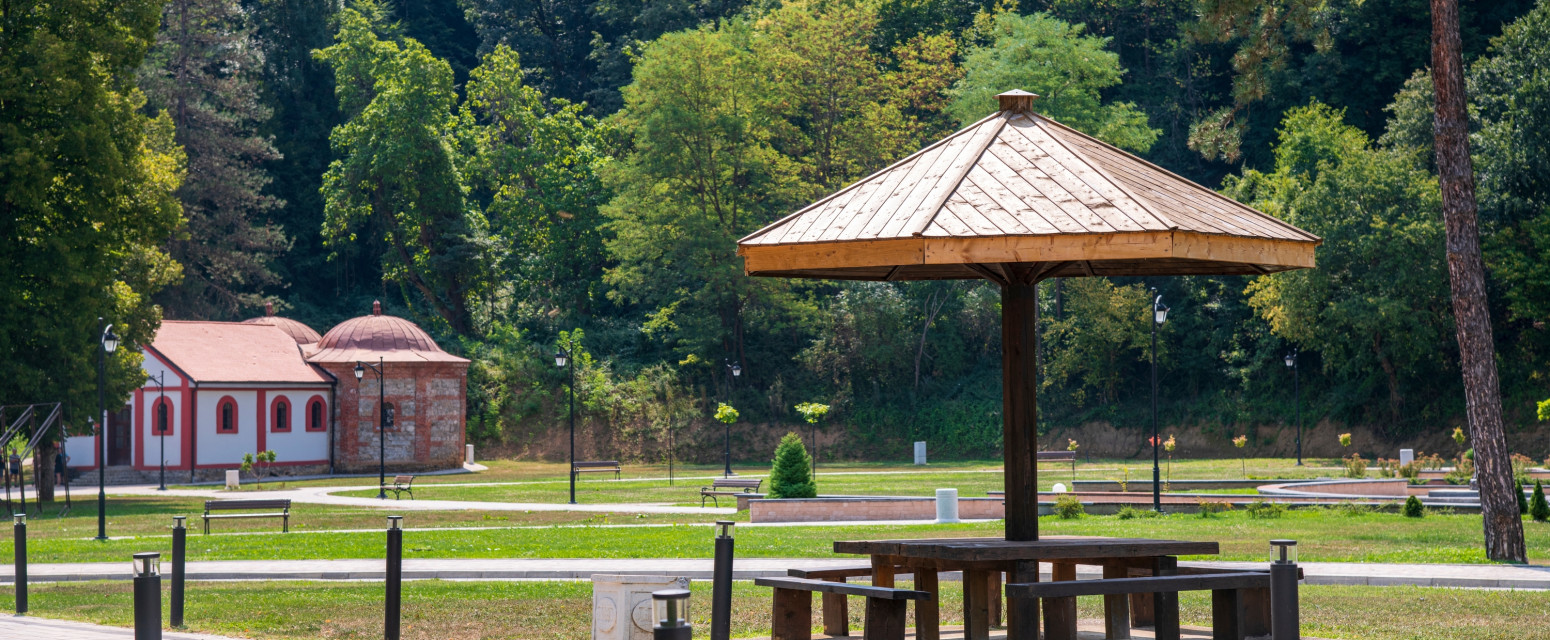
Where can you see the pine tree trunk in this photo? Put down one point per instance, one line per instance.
(1466, 269)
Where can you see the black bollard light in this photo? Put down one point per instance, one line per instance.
(179, 548)
(721, 584)
(395, 576)
(20, 526)
(670, 609)
(147, 567)
(1284, 616)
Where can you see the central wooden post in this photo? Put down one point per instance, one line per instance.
(1020, 407)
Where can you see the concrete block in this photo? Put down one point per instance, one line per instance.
(621, 604)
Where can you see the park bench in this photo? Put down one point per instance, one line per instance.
(596, 466)
(792, 618)
(275, 509)
(728, 487)
(1059, 456)
(1240, 603)
(401, 484)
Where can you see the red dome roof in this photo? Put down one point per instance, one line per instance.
(377, 335)
(302, 334)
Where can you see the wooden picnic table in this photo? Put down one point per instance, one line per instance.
(982, 561)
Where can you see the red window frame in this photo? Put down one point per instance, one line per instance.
(276, 424)
(158, 426)
(316, 408)
(222, 414)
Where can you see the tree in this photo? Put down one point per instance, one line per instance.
(1103, 333)
(1538, 508)
(1067, 69)
(203, 73)
(813, 412)
(1471, 311)
(791, 477)
(87, 183)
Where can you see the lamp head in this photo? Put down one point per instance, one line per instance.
(395, 522)
(724, 528)
(360, 371)
(671, 608)
(737, 370)
(1291, 359)
(561, 358)
(1159, 310)
(147, 564)
(109, 340)
(1283, 551)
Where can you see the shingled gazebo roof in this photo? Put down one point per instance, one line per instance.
(1020, 188)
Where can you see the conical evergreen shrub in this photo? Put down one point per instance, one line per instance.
(1538, 508)
(1522, 500)
(1413, 508)
(791, 477)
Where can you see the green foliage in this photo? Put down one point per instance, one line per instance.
(259, 464)
(1264, 509)
(1538, 508)
(1105, 328)
(812, 412)
(1212, 508)
(725, 413)
(1522, 499)
(1128, 512)
(1413, 508)
(1065, 68)
(791, 477)
(1068, 507)
(1355, 466)
(1544, 411)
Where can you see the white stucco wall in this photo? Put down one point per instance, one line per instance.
(150, 454)
(82, 451)
(153, 367)
(299, 445)
(215, 447)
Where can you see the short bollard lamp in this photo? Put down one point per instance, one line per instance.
(19, 525)
(721, 583)
(1284, 615)
(179, 554)
(147, 589)
(671, 612)
(393, 602)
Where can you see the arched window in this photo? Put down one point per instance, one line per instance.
(316, 418)
(161, 417)
(226, 415)
(280, 415)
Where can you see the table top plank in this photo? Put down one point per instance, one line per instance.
(1046, 548)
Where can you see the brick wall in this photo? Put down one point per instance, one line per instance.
(858, 509)
(428, 427)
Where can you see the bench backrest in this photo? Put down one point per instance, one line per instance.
(237, 505)
(597, 463)
(737, 483)
(1057, 455)
(1155, 584)
(824, 586)
(403, 479)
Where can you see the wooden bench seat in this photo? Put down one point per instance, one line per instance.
(793, 613)
(1238, 606)
(275, 509)
(596, 466)
(729, 487)
(401, 484)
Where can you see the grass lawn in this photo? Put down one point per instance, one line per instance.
(456, 610)
(1326, 535)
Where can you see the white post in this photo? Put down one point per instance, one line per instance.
(468, 454)
(920, 453)
(233, 479)
(1406, 456)
(946, 506)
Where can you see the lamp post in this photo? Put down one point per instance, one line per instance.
(1291, 361)
(161, 419)
(1159, 316)
(360, 372)
(562, 358)
(109, 342)
(736, 370)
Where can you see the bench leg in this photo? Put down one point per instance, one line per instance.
(884, 619)
(928, 613)
(286, 523)
(836, 613)
(976, 605)
(1226, 614)
(1255, 611)
(1165, 605)
(1060, 619)
(793, 616)
(994, 591)
(1022, 614)
(1116, 608)
(882, 572)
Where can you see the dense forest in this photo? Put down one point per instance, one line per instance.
(518, 174)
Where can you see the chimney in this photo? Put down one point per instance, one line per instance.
(269, 309)
(1017, 101)
(376, 307)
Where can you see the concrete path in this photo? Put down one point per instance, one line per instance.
(44, 629)
(1317, 573)
(324, 495)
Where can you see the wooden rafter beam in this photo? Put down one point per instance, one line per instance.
(987, 273)
(1042, 270)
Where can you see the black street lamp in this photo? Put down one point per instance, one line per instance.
(382, 424)
(562, 358)
(1291, 361)
(109, 342)
(1159, 316)
(736, 370)
(159, 419)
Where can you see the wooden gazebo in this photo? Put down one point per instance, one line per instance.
(1016, 198)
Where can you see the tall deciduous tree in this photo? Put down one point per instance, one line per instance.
(1466, 270)
(86, 199)
(202, 72)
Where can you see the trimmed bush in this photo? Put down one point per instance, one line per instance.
(791, 477)
(1413, 508)
(1069, 507)
(1522, 499)
(1538, 508)
(1128, 512)
(1265, 509)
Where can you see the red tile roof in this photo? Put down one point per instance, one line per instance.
(373, 337)
(234, 352)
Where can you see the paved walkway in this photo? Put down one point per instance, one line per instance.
(324, 495)
(1317, 573)
(44, 629)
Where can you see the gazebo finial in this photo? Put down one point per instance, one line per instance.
(376, 307)
(1017, 100)
(269, 308)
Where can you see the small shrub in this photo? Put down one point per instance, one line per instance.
(1128, 512)
(1458, 436)
(1538, 508)
(1432, 461)
(1355, 466)
(1522, 499)
(1353, 509)
(1520, 466)
(1209, 508)
(791, 477)
(1345, 439)
(1411, 470)
(1413, 508)
(1265, 509)
(1124, 479)
(1069, 507)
